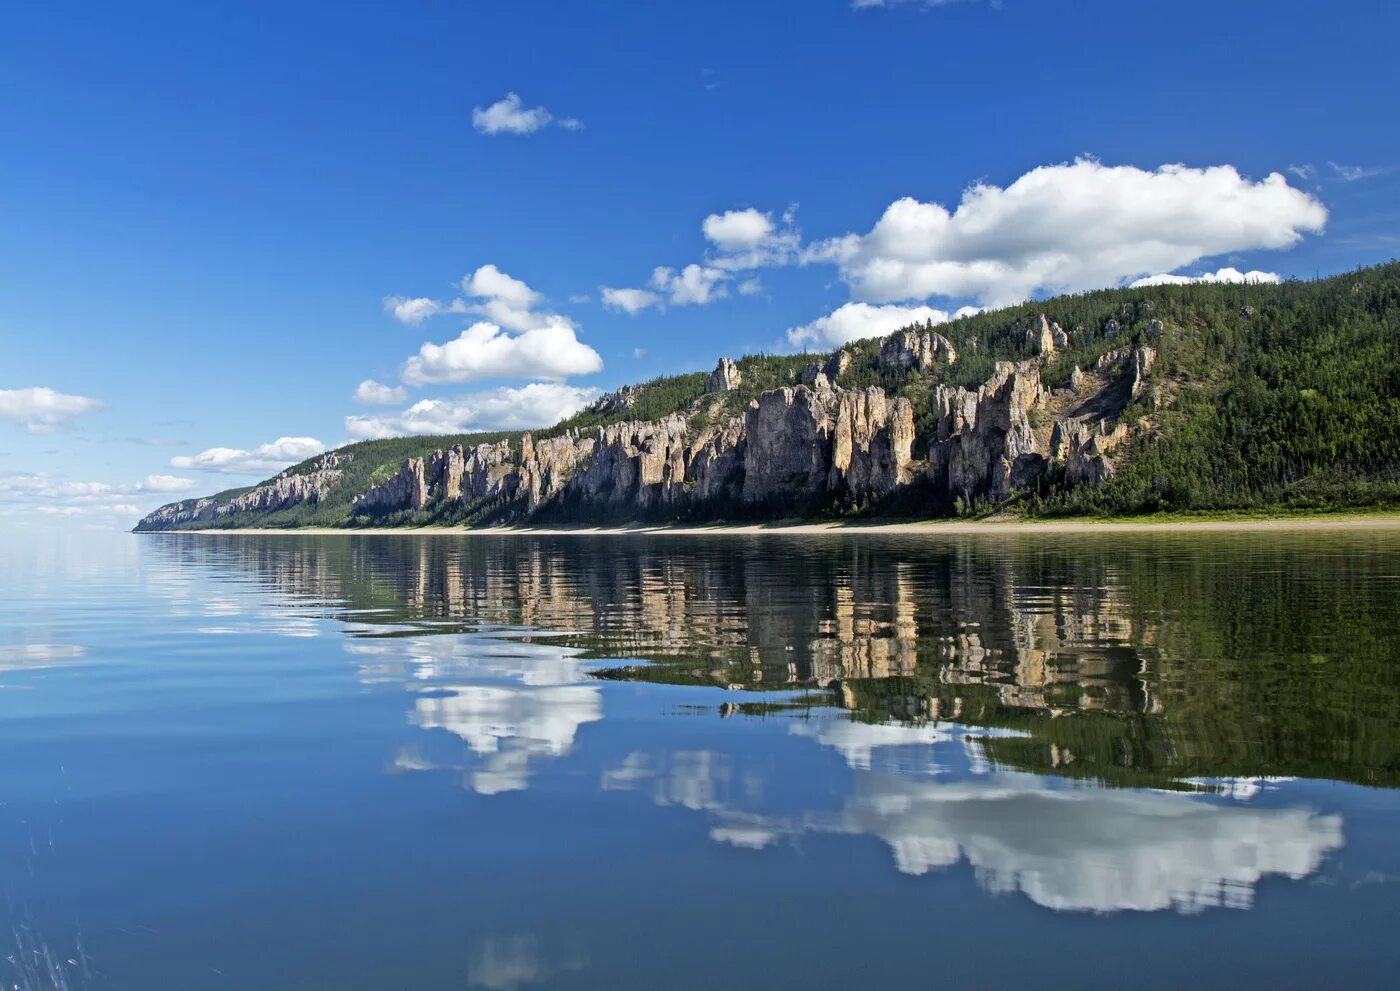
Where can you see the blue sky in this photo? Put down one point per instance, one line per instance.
(203, 209)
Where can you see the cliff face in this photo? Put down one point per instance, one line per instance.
(793, 450)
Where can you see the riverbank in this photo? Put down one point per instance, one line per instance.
(933, 528)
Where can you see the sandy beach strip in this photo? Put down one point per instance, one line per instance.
(932, 528)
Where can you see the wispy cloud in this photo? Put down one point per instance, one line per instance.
(1353, 173)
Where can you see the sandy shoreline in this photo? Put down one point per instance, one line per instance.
(935, 528)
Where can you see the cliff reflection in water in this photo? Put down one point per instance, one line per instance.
(960, 681)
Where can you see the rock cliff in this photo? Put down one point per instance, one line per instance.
(793, 450)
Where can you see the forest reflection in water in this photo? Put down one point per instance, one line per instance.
(1095, 722)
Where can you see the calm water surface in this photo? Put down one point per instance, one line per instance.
(374, 762)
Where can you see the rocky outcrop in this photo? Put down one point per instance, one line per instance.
(467, 474)
(178, 513)
(984, 444)
(814, 377)
(1134, 364)
(872, 443)
(616, 401)
(1086, 449)
(913, 349)
(805, 445)
(405, 489)
(287, 490)
(1044, 337)
(789, 446)
(725, 378)
(837, 365)
(795, 450)
(639, 464)
(1139, 365)
(547, 465)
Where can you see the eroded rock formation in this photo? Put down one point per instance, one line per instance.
(791, 451)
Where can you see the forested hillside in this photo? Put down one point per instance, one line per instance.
(1202, 397)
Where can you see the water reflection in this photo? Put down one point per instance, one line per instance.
(510, 702)
(1088, 722)
(506, 963)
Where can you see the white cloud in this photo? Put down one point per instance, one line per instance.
(167, 483)
(372, 393)
(485, 351)
(539, 404)
(39, 409)
(411, 311)
(737, 230)
(490, 282)
(1304, 171)
(1233, 275)
(1351, 173)
(742, 240)
(509, 115)
(504, 300)
(62, 497)
(1066, 228)
(630, 301)
(856, 321)
(546, 345)
(489, 292)
(692, 285)
(265, 459)
(749, 239)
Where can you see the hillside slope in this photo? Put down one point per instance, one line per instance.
(1196, 397)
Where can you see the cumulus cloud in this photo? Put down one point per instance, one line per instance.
(692, 285)
(39, 409)
(629, 301)
(546, 345)
(740, 240)
(737, 230)
(539, 404)
(504, 300)
(509, 115)
(856, 321)
(1233, 275)
(485, 351)
(748, 239)
(1066, 228)
(265, 459)
(372, 393)
(411, 311)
